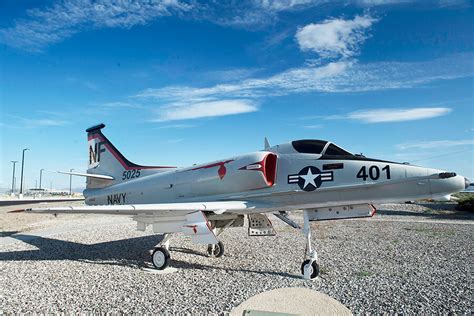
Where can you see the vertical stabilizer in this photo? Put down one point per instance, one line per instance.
(105, 159)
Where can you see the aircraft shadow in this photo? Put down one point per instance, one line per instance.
(187, 265)
(432, 213)
(7, 233)
(133, 252)
(127, 252)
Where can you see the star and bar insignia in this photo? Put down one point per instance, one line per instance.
(310, 178)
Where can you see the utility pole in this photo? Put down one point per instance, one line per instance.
(22, 167)
(70, 182)
(13, 177)
(41, 174)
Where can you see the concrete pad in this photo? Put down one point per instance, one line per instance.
(155, 271)
(293, 300)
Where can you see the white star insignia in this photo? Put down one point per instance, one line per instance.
(309, 178)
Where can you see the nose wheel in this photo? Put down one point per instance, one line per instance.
(310, 266)
(310, 269)
(215, 250)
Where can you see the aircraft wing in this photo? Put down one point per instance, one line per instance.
(160, 209)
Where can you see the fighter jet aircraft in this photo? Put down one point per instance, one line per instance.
(315, 176)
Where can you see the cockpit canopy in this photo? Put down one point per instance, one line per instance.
(318, 147)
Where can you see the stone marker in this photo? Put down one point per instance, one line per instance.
(293, 300)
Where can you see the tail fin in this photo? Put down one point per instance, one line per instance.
(105, 159)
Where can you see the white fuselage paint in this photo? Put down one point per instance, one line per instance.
(381, 182)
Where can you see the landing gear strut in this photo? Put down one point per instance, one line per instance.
(310, 266)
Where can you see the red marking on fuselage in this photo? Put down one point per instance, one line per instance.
(222, 169)
(117, 156)
(194, 228)
(374, 210)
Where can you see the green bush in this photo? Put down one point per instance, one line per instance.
(465, 202)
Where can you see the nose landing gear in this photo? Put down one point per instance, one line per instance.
(310, 266)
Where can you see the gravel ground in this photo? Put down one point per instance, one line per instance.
(408, 259)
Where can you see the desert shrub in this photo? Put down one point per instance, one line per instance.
(465, 202)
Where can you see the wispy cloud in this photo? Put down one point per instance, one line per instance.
(285, 5)
(205, 109)
(22, 122)
(392, 115)
(435, 144)
(49, 25)
(316, 126)
(341, 76)
(176, 126)
(231, 74)
(298, 79)
(121, 105)
(172, 141)
(62, 20)
(335, 38)
(76, 81)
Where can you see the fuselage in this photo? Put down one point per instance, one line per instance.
(285, 178)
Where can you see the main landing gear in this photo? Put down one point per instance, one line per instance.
(310, 266)
(215, 250)
(160, 256)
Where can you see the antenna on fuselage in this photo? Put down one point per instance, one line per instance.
(266, 143)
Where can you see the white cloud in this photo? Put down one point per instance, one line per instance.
(282, 5)
(297, 79)
(205, 109)
(231, 74)
(85, 83)
(342, 76)
(118, 105)
(176, 126)
(316, 126)
(172, 141)
(285, 5)
(46, 122)
(335, 37)
(21, 122)
(52, 24)
(60, 21)
(436, 144)
(394, 115)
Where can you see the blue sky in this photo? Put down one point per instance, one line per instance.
(182, 82)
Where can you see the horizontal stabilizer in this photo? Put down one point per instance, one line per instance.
(88, 175)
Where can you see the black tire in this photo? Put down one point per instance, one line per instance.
(160, 258)
(314, 266)
(218, 250)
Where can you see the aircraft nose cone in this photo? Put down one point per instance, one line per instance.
(466, 183)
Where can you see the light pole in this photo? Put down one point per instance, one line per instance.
(13, 177)
(70, 182)
(22, 167)
(41, 174)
